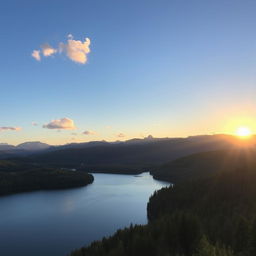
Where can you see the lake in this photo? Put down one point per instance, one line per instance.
(53, 223)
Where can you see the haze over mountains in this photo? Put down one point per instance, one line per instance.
(23, 149)
(37, 145)
(130, 156)
(32, 146)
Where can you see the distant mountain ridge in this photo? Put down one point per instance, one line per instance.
(31, 145)
(34, 145)
(132, 156)
(37, 145)
(6, 146)
(23, 149)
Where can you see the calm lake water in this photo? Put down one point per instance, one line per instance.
(53, 223)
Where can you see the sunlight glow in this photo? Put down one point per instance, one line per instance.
(243, 132)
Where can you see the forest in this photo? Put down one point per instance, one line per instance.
(41, 178)
(212, 215)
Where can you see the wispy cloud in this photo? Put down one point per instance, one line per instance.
(63, 123)
(89, 133)
(75, 50)
(121, 135)
(9, 128)
(36, 55)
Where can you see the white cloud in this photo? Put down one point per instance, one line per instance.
(9, 128)
(75, 50)
(89, 133)
(36, 55)
(47, 50)
(63, 123)
(121, 135)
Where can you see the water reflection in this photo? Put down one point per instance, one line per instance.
(53, 223)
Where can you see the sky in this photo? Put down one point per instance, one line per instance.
(83, 70)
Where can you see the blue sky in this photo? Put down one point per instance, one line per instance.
(166, 68)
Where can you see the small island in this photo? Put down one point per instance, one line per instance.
(41, 179)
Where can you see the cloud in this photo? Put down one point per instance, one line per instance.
(75, 50)
(121, 135)
(63, 123)
(89, 133)
(8, 128)
(36, 55)
(47, 50)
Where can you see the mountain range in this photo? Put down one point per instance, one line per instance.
(132, 156)
(30, 146)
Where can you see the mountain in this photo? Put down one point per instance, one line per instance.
(4, 154)
(205, 164)
(135, 156)
(5, 146)
(80, 145)
(23, 149)
(33, 146)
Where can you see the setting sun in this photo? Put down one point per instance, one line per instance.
(243, 132)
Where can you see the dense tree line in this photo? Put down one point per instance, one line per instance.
(224, 204)
(211, 216)
(205, 164)
(37, 179)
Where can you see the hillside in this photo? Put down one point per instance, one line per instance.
(205, 164)
(209, 216)
(131, 156)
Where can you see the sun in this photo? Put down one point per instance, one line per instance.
(243, 132)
